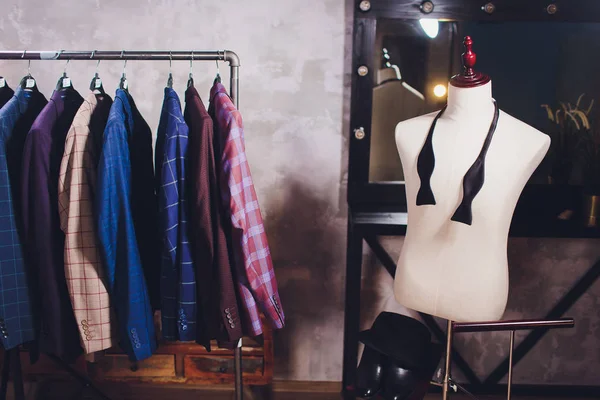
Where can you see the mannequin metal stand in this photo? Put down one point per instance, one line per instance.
(512, 326)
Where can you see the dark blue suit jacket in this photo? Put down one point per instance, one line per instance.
(178, 280)
(16, 320)
(126, 203)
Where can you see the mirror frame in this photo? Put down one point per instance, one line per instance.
(367, 196)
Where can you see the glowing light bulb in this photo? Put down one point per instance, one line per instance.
(430, 26)
(439, 90)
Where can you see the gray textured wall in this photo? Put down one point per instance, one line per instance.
(294, 98)
(291, 90)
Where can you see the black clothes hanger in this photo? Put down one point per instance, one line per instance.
(218, 77)
(28, 82)
(64, 82)
(6, 93)
(123, 85)
(4, 85)
(190, 81)
(96, 83)
(170, 79)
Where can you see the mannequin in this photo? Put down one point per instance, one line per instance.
(394, 100)
(451, 269)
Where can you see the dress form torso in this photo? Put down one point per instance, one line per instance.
(447, 268)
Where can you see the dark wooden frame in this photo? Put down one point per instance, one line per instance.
(380, 208)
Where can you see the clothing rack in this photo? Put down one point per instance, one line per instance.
(123, 55)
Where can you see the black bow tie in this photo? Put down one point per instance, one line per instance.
(472, 181)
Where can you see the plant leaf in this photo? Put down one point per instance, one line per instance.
(579, 99)
(583, 117)
(574, 120)
(587, 112)
(549, 112)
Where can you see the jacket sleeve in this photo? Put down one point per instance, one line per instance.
(36, 219)
(254, 266)
(83, 269)
(187, 275)
(201, 232)
(118, 247)
(228, 312)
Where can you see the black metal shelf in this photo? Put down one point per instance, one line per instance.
(536, 214)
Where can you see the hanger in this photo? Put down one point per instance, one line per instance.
(170, 80)
(218, 77)
(64, 82)
(123, 83)
(3, 84)
(190, 81)
(28, 82)
(391, 73)
(96, 84)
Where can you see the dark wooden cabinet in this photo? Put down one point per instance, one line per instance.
(173, 363)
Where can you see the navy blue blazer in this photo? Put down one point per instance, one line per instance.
(16, 308)
(178, 277)
(124, 236)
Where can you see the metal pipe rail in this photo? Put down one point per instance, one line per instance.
(519, 325)
(153, 55)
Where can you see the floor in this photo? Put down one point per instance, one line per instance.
(291, 391)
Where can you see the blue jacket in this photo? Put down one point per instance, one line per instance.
(178, 280)
(125, 192)
(16, 320)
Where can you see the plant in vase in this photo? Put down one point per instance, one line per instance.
(569, 125)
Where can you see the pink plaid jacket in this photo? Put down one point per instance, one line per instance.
(252, 258)
(83, 267)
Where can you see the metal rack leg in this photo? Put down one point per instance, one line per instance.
(446, 383)
(510, 363)
(352, 309)
(237, 360)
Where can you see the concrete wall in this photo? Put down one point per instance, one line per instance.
(291, 86)
(294, 97)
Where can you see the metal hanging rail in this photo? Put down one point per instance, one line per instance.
(145, 55)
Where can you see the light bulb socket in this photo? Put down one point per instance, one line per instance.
(427, 7)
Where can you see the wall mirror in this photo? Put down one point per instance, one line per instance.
(542, 73)
(542, 58)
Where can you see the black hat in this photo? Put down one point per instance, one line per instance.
(404, 339)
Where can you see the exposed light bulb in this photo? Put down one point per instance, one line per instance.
(431, 27)
(439, 90)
